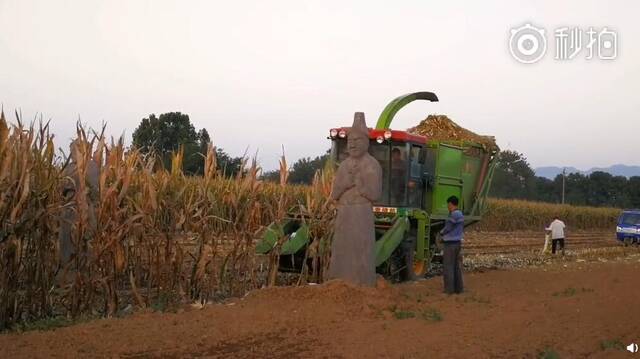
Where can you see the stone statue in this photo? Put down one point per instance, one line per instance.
(358, 184)
(69, 188)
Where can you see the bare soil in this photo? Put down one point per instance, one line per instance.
(574, 306)
(525, 242)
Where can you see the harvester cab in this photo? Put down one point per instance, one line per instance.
(401, 156)
(419, 174)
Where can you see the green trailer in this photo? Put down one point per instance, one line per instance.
(419, 174)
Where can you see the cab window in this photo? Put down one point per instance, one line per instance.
(415, 185)
(398, 175)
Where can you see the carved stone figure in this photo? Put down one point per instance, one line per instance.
(358, 184)
(70, 186)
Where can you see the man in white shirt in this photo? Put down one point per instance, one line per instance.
(557, 234)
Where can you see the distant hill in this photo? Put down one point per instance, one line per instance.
(617, 170)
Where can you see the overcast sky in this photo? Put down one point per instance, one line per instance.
(262, 74)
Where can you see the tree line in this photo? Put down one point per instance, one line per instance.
(163, 135)
(513, 178)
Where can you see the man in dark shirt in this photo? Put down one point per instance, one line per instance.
(452, 236)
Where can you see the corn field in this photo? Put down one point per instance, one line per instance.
(517, 215)
(104, 227)
(135, 233)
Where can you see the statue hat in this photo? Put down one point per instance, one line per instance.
(359, 125)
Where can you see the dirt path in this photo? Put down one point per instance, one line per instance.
(572, 309)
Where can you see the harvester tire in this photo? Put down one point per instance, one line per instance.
(396, 266)
(402, 263)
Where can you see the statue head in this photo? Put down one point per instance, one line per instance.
(74, 147)
(358, 137)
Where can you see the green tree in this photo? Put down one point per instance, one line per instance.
(513, 177)
(606, 190)
(271, 176)
(304, 169)
(301, 172)
(165, 134)
(633, 191)
(545, 190)
(576, 188)
(227, 165)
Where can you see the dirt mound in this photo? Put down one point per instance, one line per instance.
(335, 294)
(442, 128)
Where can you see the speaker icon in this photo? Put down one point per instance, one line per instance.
(633, 347)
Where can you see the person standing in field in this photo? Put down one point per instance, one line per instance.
(452, 236)
(557, 234)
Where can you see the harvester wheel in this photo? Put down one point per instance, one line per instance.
(396, 267)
